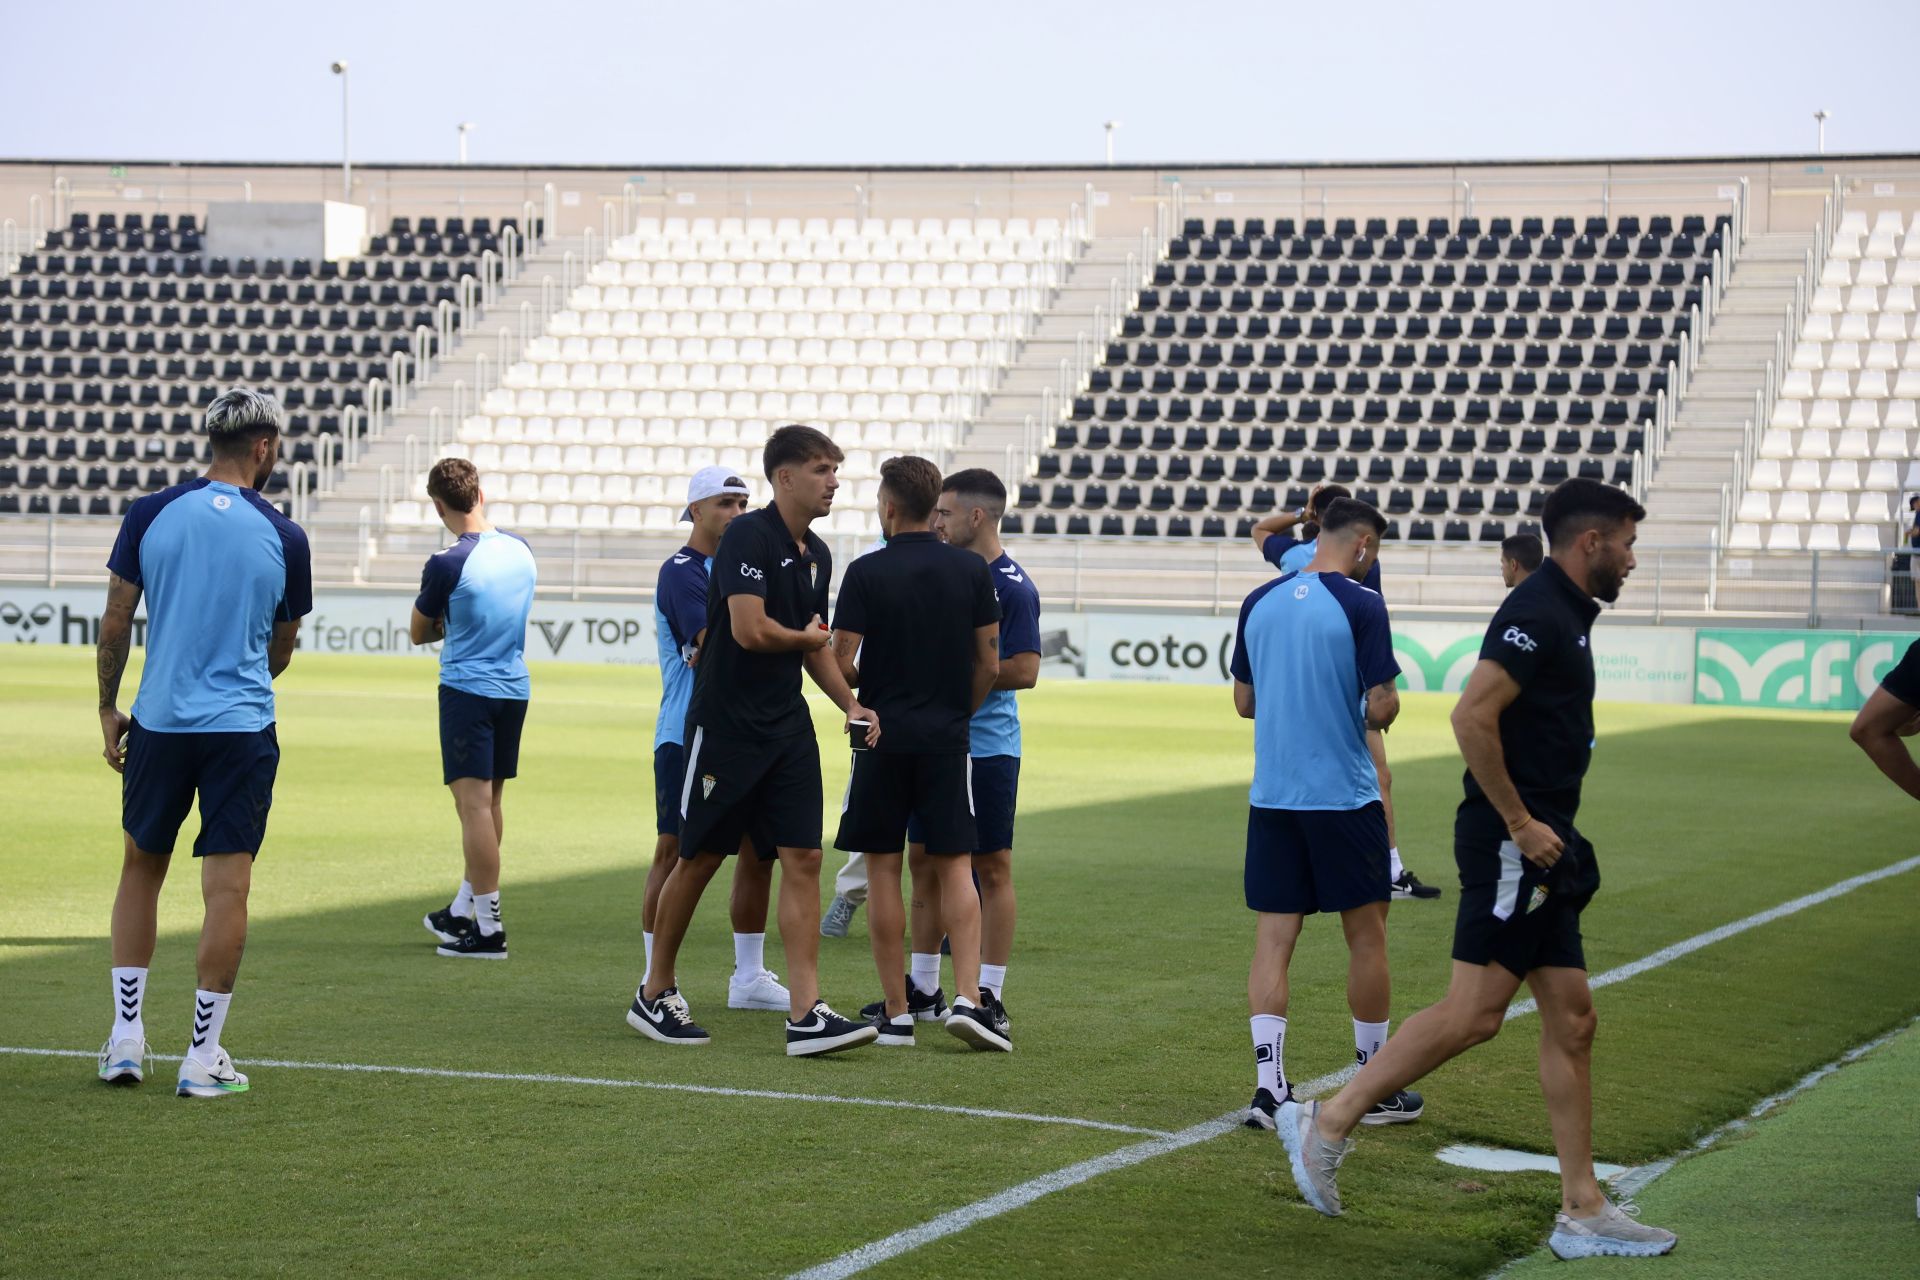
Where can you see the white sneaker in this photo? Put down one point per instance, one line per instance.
(761, 991)
(215, 1080)
(1614, 1232)
(123, 1061)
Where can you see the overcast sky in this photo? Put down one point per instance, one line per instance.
(755, 82)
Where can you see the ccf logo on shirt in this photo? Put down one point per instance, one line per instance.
(748, 571)
(1520, 640)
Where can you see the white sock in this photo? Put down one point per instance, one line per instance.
(993, 977)
(209, 1018)
(129, 994)
(1269, 1042)
(749, 954)
(926, 972)
(462, 904)
(1394, 865)
(486, 913)
(648, 938)
(1367, 1039)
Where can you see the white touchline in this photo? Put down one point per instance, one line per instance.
(664, 1086)
(867, 1255)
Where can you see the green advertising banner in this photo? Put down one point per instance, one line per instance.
(1802, 670)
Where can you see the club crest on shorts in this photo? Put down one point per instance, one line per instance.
(706, 786)
(1539, 897)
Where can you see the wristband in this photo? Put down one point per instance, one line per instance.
(1513, 828)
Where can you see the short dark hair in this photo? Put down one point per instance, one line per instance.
(1524, 549)
(241, 415)
(981, 485)
(1326, 494)
(793, 444)
(1578, 505)
(1343, 513)
(913, 483)
(456, 482)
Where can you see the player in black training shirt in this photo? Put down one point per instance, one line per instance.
(753, 768)
(918, 629)
(1893, 713)
(1525, 726)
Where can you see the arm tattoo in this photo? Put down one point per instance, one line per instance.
(116, 639)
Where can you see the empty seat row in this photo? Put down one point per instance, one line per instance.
(1447, 249)
(937, 297)
(1846, 475)
(1894, 442)
(977, 323)
(715, 253)
(1460, 302)
(1360, 441)
(1228, 498)
(1415, 275)
(1862, 300)
(113, 315)
(522, 516)
(1820, 537)
(871, 351)
(1412, 469)
(1440, 228)
(1437, 380)
(688, 431)
(843, 228)
(1218, 528)
(1410, 412)
(900, 406)
(1894, 353)
(1838, 384)
(221, 278)
(173, 342)
(1195, 326)
(1832, 506)
(178, 395)
(1872, 272)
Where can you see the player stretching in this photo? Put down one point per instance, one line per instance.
(1272, 537)
(1313, 659)
(715, 496)
(475, 597)
(918, 628)
(1525, 726)
(753, 767)
(227, 580)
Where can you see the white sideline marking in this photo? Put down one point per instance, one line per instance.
(720, 1091)
(857, 1260)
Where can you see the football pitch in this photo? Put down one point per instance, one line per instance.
(411, 1115)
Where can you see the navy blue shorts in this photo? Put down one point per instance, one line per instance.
(479, 736)
(996, 794)
(1300, 861)
(669, 775)
(232, 772)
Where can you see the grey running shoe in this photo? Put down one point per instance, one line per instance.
(1614, 1232)
(1316, 1162)
(839, 916)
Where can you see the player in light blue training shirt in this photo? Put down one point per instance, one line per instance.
(715, 495)
(475, 597)
(227, 579)
(1313, 668)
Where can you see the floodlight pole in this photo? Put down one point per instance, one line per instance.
(1110, 126)
(1820, 119)
(465, 127)
(346, 134)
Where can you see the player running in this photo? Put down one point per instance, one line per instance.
(475, 596)
(227, 579)
(715, 496)
(1313, 659)
(1525, 727)
(753, 767)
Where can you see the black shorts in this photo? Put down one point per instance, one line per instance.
(767, 791)
(1300, 861)
(479, 736)
(669, 778)
(1512, 912)
(888, 790)
(996, 794)
(232, 772)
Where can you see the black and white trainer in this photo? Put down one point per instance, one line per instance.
(1411, 886)
(973, 1026)
(665, 1018)
(998, 1012)
(476, 946)
(824, 1031)
(897, 1032)
(446, 926)
(1403, 1107)
(924, 1008)
(1261, 1110)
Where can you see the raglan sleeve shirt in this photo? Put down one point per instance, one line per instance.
(1373, 643)
(683, 600)
(437, 581)
(986, 604)
(1019, 623)
(297, 603)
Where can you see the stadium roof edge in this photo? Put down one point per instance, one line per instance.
(1830, 158)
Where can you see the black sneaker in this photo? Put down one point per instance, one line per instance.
(997, 1011)
(1403, 1107)
(476, 946)
(924, 1008)
(665, 1018)
(1260, 1110)
(898, 1034)
(446, 926)
(825, 1031)
(1410, 886)
(974, 1025)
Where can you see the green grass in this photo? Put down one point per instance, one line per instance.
(1126, 989)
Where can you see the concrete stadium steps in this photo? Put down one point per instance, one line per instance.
(1701, 451)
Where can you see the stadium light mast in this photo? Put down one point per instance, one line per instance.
(346, 134)
(465, 127)
(1820, 119)
(1110, 126)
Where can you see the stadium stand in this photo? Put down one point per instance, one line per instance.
(1843, 435)
(119, 328)
(1451, 373)
(693, 337)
